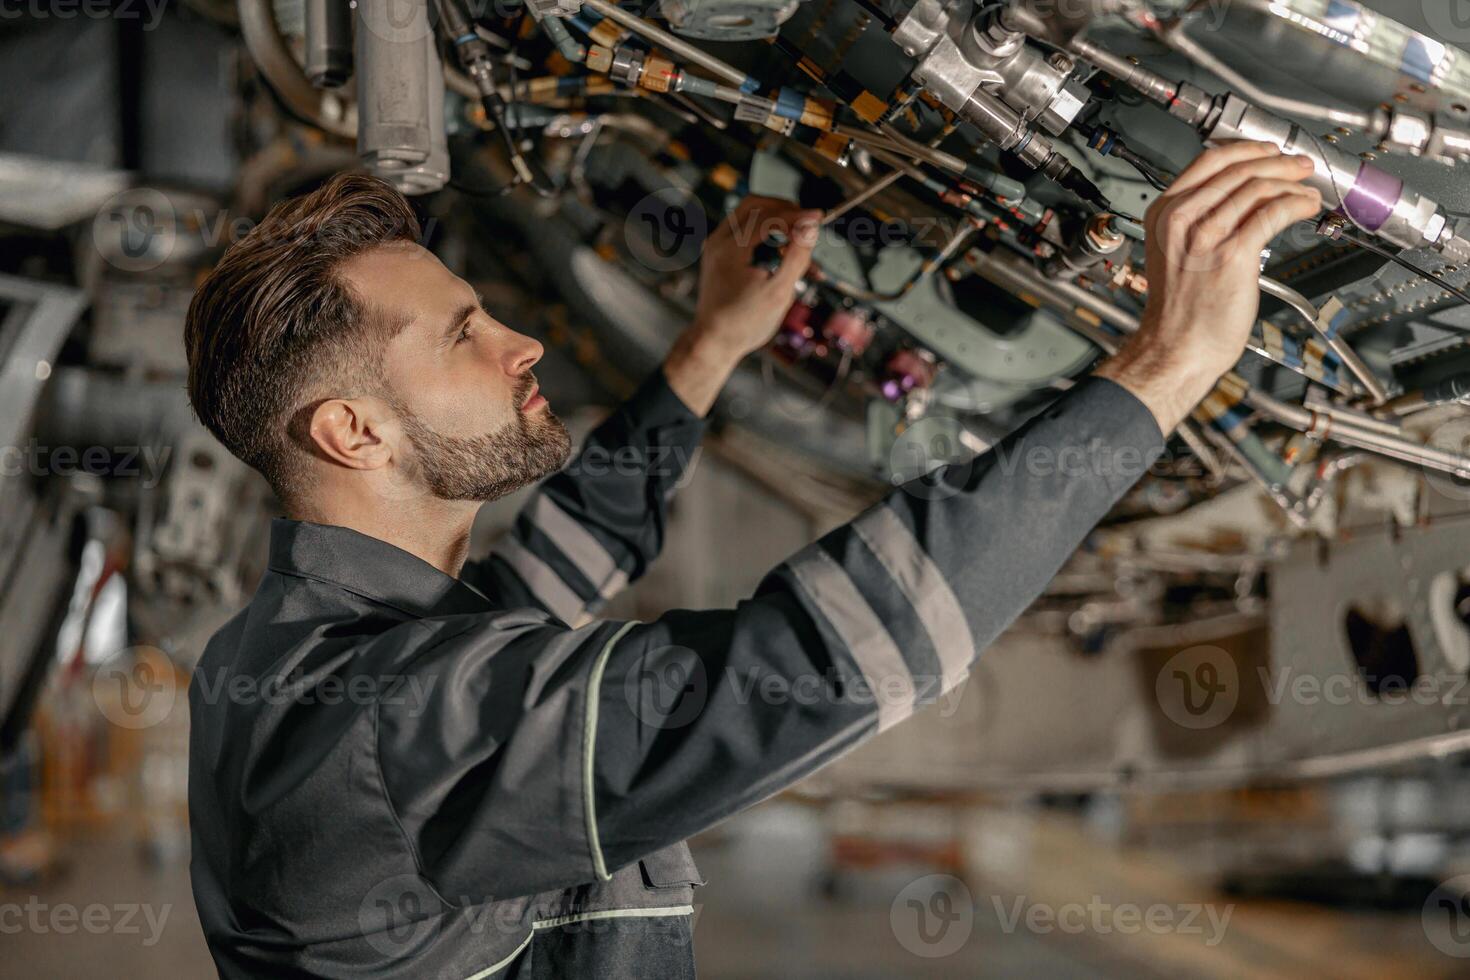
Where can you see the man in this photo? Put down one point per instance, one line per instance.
(407, 763)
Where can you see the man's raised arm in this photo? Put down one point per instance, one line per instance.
(613, 741)
(595, 527)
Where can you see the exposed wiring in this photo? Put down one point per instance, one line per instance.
(474, 57)
(1108, 143)
(1155, 179)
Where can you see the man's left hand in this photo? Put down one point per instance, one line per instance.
(741, 305)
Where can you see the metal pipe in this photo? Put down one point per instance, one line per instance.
(1320, 425)
(673, 45)
(1011, 271)
(271, 55)
(925, 269)
(1373, 124)
(929, 154)
(328, 53)
(867, 193)
(1334, 341)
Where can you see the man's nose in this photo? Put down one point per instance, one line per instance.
(521, 353)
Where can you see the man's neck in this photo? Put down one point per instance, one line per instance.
(438, 531)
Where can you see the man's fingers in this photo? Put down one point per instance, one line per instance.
(1274, 216)
(1231, 215)
(803, 238)
(758, 219)
(1211, 162)
(1231, 180)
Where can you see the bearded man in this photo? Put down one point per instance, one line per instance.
(411, 762)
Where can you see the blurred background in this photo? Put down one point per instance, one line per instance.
(1220, 766)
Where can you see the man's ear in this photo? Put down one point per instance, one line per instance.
(350, 432)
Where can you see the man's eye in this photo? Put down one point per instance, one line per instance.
(464, 334)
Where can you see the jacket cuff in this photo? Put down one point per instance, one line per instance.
(654, 405)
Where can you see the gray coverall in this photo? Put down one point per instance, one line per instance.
(395, 773)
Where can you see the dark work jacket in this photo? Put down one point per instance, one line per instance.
(395, 773)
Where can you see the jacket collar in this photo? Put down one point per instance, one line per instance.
(369, 567)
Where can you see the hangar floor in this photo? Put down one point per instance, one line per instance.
(766, 913)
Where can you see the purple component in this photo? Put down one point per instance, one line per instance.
(1372, 198)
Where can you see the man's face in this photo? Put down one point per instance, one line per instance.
(459, 381)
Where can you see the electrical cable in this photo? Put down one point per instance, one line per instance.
(474, 57)
(1399, 260)
(1155, 179)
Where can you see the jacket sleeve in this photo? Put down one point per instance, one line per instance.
(615, 740)
(595, 526)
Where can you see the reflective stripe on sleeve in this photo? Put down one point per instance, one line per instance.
(832, 590)
(922, 583)
(545, 584)
(579, 546)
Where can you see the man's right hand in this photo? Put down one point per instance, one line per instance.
(1205, 236)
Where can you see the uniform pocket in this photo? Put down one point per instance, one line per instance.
(671, 867)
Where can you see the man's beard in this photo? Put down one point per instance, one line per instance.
(489, 466)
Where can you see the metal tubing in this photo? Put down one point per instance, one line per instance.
(670, 43)
(867, 193)
(1334, 342)
(1350, 433)
(1375, 125)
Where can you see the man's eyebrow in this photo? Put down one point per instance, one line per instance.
(460, 316)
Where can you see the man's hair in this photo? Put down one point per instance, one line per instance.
(275, 329)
